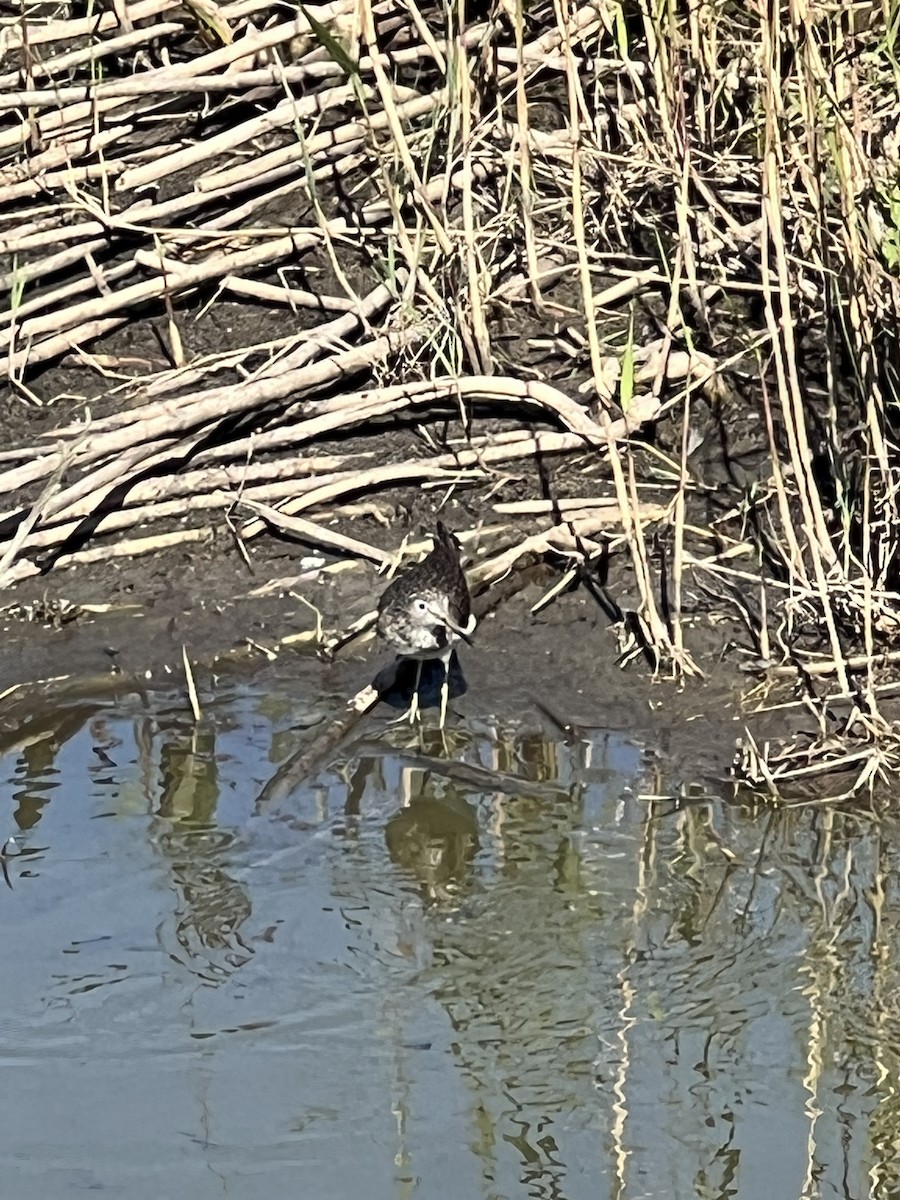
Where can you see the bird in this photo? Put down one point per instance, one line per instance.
(425, 610)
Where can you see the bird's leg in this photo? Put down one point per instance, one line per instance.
(412, 713)
(445, 693)
(414, 703)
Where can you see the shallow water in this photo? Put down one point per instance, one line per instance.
(530, 980)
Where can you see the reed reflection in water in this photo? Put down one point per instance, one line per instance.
(498, 973)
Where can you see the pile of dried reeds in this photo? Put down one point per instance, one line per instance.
(447, 176)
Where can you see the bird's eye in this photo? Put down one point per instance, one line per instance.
(420, 606)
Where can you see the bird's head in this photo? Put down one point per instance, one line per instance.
(431, 610)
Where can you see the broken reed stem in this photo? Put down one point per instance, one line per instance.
(310, 532)
(191, 686)
(170, 82)
(128, 548)
(291, 353)
(214, 406)
(325, 489)
(678, 521)
(218, 404)
(178, 277)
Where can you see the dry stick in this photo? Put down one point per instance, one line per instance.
(187, 276)
(175, 80)
(277, 159)
(659, 629)
(46, 181)
(474, 264)
(90, 492)
(81, 333)
(499, 387)
(148, 83)
(191, 685)
(329, 168)
(673, 320)
(627, 287)
(55, 297)
(133, 219)
(322, 749)
(282, 479)
(345, 411)
(296, 475)
(306, 346)
(168, 510)
(309, 531)
(289, 433)
(27, 175)
(64, 121)
(463, 460)
(679, 518)
(34, 215)
(141, 292)
(436, 48)
(526, 180)
(17, 34)
(579, 28)
(345, 135)
(62, 32)
(215, 405)
(97, 50)
(350, 481)
(171, 379)
(46, 232)
(294, 297)
(46, 266)
(350, 156)
(312, 342)
(130, 548)
(111, 274)
(577, 213)
(854, 662)
(65, 343)
(626, 495)
(320, 374)
(435, 190)
(282, 114)
(467, 465)
(138, 216)
(545, 508)
(37, 511)
(387, 92)
(98, 483)
(559, 537)
(782, 332)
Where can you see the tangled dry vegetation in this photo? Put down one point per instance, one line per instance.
(534, 231)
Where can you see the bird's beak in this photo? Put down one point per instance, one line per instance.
(444, 617)
(459, 631)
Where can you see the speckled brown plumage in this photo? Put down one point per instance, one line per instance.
(427, 608)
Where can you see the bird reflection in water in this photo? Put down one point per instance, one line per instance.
(435, 840)
(212, 906)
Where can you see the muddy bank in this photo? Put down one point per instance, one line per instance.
(123, 624)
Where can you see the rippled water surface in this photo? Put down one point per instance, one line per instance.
(396, 978)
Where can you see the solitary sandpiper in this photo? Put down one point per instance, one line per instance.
(425, 611)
